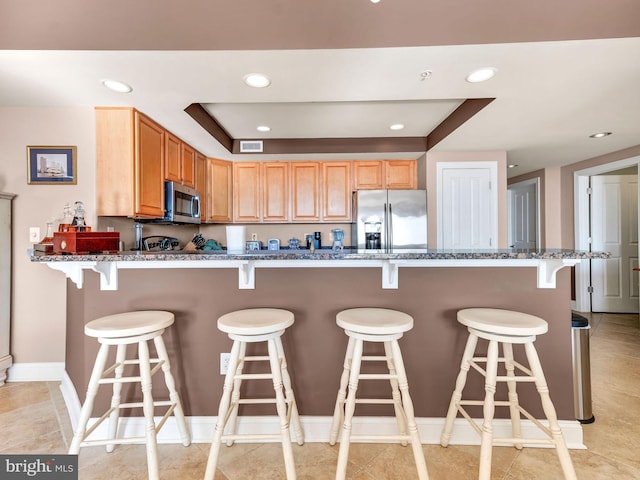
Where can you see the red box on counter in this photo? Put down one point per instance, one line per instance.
(86, 242)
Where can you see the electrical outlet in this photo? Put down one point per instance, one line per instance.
(224, 363)
(254, 237)
(34, 234)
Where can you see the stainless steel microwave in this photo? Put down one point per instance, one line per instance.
(181, 203)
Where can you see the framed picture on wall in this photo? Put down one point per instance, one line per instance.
(51, 165)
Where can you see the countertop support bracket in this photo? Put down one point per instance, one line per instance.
(73, 271)
(389, 275)
(108, 275)
(247, 275)
(547, 270)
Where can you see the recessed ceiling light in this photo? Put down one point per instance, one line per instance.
(600, 134)
(396, 126)
(257, 80)
(375, 1)
(263, 128)
(116, 86)
(481, 75)
(512, 165)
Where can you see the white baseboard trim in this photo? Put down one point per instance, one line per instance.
(317, 428)
(36, 372)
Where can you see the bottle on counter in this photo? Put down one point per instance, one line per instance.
(78, 224)
(317, 240)
(48, 238)
(66, 220)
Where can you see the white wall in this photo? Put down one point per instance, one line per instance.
(39, 293)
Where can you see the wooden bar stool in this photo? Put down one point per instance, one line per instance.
(507, 328)
(251, 326)
(121, 330)
(382, 326)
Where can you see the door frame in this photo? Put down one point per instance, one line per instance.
(582, 223)
(531, 181)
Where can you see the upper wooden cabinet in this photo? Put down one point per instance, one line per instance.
(368, 175)
(336, 191)
(246, 192)
(179, 161)
(188, 165)
(275, 192)
(129, 164)
(401, 174)
(219, 196)
(305, 191)
(385, 174)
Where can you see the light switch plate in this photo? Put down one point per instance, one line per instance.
(34, 234)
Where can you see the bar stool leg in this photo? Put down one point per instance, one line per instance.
(486, 442)
(338, 411)
(395, 392)
(350, 406)
(178, 413)
(223, 412)
(232, 421)
(121, 353)
(465, 364)
(403, 385)
(147, 407)
(87, 407)
(288, 394)
(516, 430)
(281, 407)
(550, 412)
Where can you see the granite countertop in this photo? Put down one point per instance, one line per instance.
(322, 254)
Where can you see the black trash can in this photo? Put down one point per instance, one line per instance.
(581, 357)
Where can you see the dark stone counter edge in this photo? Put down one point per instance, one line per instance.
(547, 254)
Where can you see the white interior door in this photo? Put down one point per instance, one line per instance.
(614, 228)
(467, 205)
(523, 215)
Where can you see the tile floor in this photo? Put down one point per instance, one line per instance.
(33, 419)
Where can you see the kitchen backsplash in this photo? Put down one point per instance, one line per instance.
(184, 233)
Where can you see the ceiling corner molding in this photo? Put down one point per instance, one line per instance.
(210, 124)
(460, 115)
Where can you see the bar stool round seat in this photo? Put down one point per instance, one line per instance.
(252, 326)
(379, 325)
(504, 328)
(121, 330)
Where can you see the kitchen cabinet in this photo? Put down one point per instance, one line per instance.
(305, 191)
(6, 209)
(246, 192)
(172, 160)
(201, 183)
(336, 191)
(188, 165)
(368, 175)
(385, 174)
(129, 164)
(180, 161)
(275, 191)
(219, 191)
(401, 174)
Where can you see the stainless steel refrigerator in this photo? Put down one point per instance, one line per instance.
(389, 219)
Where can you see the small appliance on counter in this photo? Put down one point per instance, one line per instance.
(253, 245)
(338, 238)
(273, 244)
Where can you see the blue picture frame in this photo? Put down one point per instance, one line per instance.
(52, 165)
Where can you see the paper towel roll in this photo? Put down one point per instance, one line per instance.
(236, 238)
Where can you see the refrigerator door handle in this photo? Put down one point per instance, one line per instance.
(386, 227)
(390, 243)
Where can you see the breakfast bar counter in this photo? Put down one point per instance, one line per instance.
(200, 287)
